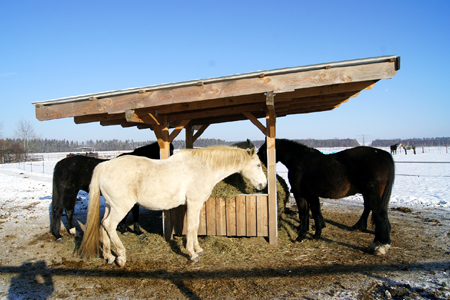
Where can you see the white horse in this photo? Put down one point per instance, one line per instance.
(187, 177)
(408, 147)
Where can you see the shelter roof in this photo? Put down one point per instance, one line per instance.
(297, 90)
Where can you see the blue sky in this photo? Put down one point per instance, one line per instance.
(55, 49)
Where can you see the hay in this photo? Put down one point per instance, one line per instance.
(235, 185)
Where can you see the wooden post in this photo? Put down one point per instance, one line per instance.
(189, 137)
(162, 134)
(272, 186)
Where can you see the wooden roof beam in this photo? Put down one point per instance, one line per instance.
(279, 83)
(325, 90)
(97, 118)
(230, 110)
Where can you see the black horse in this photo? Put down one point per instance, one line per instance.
(74, 173)
(312, 174)
(394, 149)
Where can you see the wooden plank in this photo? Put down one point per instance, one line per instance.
(255, 122)
(272, 186)
(213, 91)
(211, 216)
(262, 221)
(241, 228)
(98, 118)
(178, 129)
(325, 90)
(250, 207)
(202, 226)
(217, 112)
(231, 216)
(221, 222)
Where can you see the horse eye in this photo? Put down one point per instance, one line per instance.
(259, 165)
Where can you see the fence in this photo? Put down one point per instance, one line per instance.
(243, 215)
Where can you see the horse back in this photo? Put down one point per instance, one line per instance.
(75, 172)
(356, 170)
(368, 168)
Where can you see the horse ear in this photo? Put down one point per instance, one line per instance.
(251, 152)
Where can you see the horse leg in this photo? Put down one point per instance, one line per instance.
(122, 226)
(303, 215)
(110, 225)
(70, 209)
(193, 221)
(72, 228)
(382, 238)
(319, 221)
(106, 246)
(361, 225)
(136, 229)
(55, 224)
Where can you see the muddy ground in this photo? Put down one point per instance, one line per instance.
(34, 266)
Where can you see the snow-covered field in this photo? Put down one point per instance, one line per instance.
(422, 182)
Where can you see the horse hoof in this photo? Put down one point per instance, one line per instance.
(110, 260)
(60, 239)
(200, 253)
(120, 262)
(379, 249)
(195, 259)
(125, 233)
(299, 239)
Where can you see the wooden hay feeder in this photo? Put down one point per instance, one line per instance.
(229, 212)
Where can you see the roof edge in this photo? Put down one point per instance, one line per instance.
(345, 63)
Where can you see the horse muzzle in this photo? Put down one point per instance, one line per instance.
(261, 186)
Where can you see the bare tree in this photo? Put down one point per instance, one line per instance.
(25, 132)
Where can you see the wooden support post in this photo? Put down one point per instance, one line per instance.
(162, 134)
(189, 137)
(271, 172)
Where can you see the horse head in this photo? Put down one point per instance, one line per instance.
(252, 170)
(262, 153)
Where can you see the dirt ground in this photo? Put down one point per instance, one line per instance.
(34, 266)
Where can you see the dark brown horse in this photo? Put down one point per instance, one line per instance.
(394, 149)
(312, 174)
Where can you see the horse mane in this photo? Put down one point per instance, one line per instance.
(219, 156)
(299, 146)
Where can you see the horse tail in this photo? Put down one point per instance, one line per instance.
(90, 245)
(389, 184)
(55, 196)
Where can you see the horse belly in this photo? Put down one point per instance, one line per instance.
(335, 190)
(161, 201)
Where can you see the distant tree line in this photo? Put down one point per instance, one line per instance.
(329, 143)
(426, 142)
(12, 150)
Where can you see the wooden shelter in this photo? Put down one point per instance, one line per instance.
(194, 105)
